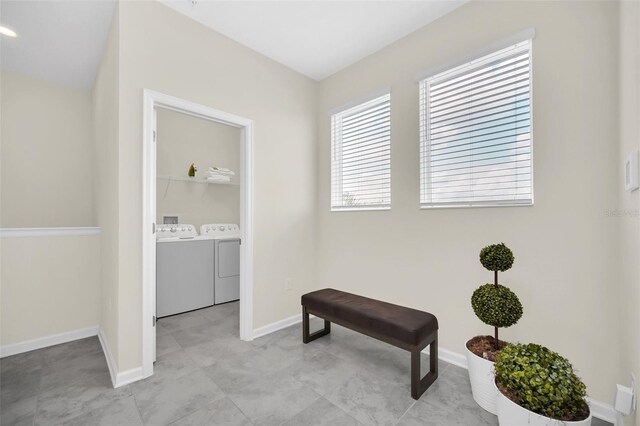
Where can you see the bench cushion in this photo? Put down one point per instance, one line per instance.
(405, 324)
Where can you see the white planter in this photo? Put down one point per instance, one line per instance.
(482, 380)
(511, 414)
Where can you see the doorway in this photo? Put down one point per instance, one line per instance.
(153, 101)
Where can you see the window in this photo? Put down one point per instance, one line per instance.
(475, 132)
(361, 156)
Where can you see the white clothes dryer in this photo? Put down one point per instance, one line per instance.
(227, 260)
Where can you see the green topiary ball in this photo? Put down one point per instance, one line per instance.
(496, 305)
(496, 257)
(541, 381)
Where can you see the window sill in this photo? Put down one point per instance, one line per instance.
(473, 206)
(358, 209)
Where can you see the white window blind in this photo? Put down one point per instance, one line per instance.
(361, 156)
(475, 132)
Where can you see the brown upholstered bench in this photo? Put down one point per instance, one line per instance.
(405, 328)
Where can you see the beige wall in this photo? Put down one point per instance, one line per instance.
(50, 285)
(565, 247)
(628, 217)
(182, 140)
(46, 154)
(105, 127)
(195, 63)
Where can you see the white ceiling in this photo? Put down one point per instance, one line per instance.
(63, 41)
(58, 41)
(315, 38)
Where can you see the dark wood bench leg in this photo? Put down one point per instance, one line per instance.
(419, 385)
(306, 337)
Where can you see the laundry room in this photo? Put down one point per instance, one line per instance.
(197, 215)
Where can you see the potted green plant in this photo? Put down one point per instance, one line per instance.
(537, 386)
(497, 306)
(192, 170)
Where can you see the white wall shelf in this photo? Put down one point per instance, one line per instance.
(194, 180)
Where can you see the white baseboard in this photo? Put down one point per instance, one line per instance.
(278, 325)
(111, 363)
(599, 409)
(449, 356)
(602, 411)
(128, 376)
(117, 378)
(44, 342)
(275, 326)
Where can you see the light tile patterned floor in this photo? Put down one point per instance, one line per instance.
(204, 375)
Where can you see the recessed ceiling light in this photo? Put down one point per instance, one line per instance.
(7, 32)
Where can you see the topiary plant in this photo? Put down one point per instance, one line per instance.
(496, 257)
(495, 304)
(541, 381)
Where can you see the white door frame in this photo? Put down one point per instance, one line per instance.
(153, 100)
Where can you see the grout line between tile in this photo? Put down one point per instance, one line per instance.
(406, 411)
(135, 402)
(239, 409)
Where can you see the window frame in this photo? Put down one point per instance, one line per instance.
(485, 56)
(357, 106)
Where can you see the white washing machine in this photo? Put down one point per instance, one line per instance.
(184, 269)
(226, 237)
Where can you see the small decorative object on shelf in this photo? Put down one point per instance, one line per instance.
(192, 170)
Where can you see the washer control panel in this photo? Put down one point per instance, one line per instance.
(175, 230)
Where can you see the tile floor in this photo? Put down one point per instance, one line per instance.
(204, 375)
